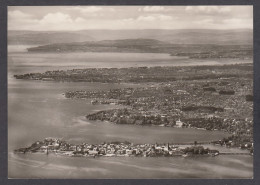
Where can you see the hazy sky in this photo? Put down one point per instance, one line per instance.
(129, 17)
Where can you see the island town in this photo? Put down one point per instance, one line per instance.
(121, 149)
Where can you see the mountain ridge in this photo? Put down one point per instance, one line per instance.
(177, 36)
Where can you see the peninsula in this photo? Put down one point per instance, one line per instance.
(145, 74)
(142, 45)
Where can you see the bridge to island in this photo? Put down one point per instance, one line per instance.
(234, 153)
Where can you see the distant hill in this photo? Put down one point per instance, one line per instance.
(129, 42)
(187, 36)
(123, 45)
(40, 38)
(221, 37)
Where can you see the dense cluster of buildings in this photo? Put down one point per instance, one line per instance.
(54, 145)
(176, 100)
(181, 104)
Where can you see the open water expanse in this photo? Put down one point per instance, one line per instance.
(37, 110)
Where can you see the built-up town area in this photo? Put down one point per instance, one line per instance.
(202, 97)
(60, 147)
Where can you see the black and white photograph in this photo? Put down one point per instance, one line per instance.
(130, 92)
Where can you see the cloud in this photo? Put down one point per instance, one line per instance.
(208, 9)
(17, 14)
(239, 23)
(165, 17)
(20, 20)
(204, 21)
(87, 9)
(50, 21)
(56, 18)
(62, 21)
(79, 20)
(154, 17)
(149, 17)
(145, 22)
(90, 9)
(233, 23)
(146, 18)
(152, 9)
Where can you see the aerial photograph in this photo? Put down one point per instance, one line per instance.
(130, 92)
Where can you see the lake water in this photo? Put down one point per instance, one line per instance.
(37, 110)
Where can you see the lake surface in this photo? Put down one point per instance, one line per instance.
(37, 110)
(21, 61)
